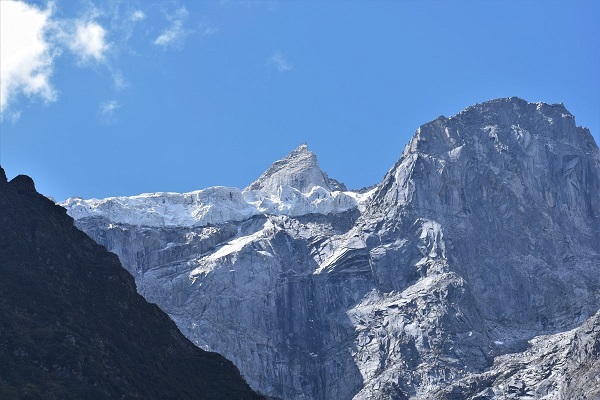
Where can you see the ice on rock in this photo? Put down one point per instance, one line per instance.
(299, 170)
(292, 186)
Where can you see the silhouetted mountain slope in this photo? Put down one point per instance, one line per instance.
(72, 324)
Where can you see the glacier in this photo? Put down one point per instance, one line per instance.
(299, 188)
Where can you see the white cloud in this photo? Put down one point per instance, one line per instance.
(137, 15)
(26, 58)
(88, 41)
(174, 36)
(280, 62)
(30, 40)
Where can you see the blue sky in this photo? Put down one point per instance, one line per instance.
(126, 97)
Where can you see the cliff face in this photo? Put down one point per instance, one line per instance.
(470, 263)
(515, 190)
(498, 207)
(72, 325)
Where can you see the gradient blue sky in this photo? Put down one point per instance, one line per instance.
(181, 95)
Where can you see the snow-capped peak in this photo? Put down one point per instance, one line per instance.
(292, 186)
(299, 170)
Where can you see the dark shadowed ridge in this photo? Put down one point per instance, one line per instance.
(72, 325)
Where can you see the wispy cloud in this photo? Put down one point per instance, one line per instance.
(84, 37)
(12, 116)
(279, 61)
(88, 41)
(118, 79)
(174, 35)
(206, 30)
(137, 15)
(108, 110)
(122, 22)
(27, 57)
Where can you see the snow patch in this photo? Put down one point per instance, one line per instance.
(212, 206)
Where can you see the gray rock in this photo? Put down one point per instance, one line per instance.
(564, 365)
(299, 170)
(466, 274)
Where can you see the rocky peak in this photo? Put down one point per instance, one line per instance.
(2, 176)
(299, 170)
(23, 183)
(508, 140)
(509, 122)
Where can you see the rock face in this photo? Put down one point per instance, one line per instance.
(299, 170)
(72, 325)
(463, 274)
(565, 365)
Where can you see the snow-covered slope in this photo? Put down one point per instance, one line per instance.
(481, 242)
(292, 186)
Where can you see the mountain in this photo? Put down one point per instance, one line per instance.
(299, 170)
(293, 186)
(72, 325)
(470, 272)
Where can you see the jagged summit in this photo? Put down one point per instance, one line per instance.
(503, 124)
(294, 185)
(510, 125)
(516, 103)
(516, 141)
(299, 170)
